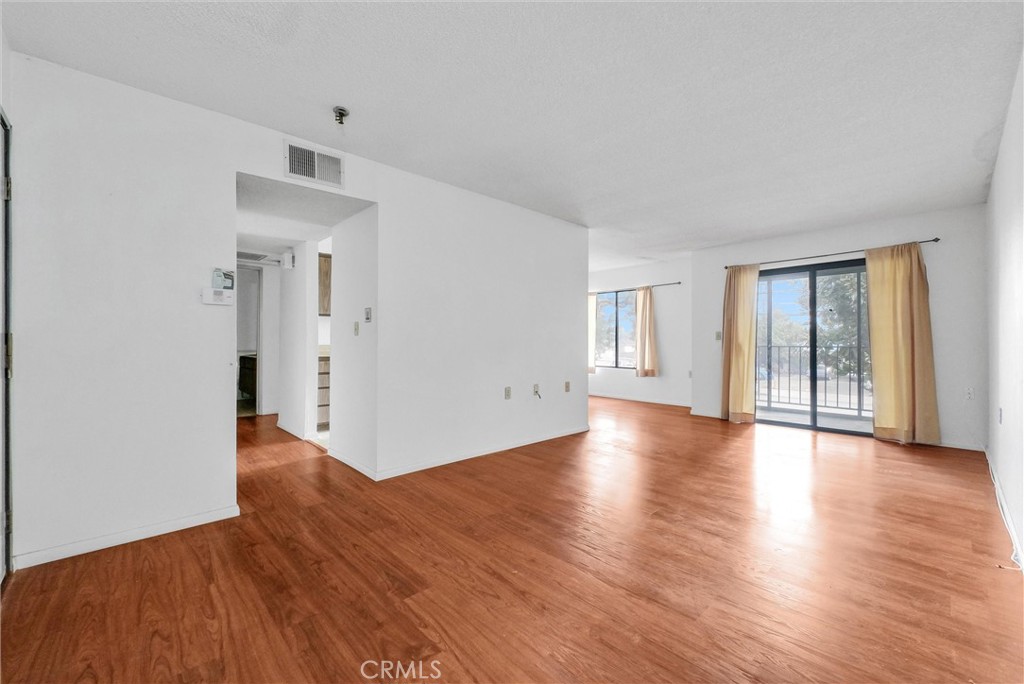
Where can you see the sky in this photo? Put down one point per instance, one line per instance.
(786, 297)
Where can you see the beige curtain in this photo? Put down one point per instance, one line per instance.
(739, 343)
(591, 331)
(900, 326)
(646, 351)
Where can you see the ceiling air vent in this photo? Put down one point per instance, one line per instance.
(250, 256)
(312, 165)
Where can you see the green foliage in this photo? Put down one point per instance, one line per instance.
(785, 330)
(838, 297)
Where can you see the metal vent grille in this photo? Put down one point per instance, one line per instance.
(328, 168)
(302, 162)
(250, 256)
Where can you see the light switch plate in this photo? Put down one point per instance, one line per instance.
(355, 328)
(367, 314)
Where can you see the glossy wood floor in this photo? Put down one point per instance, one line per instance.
(657, 547)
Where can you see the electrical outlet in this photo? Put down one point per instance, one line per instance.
(508, 392)
(566, 385)
(718, 335)
(969, 394)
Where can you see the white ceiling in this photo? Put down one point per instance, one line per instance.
(292, 201)
(262, 244)
(663, 127)
(275, 215)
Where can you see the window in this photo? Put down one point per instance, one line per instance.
(615, 343)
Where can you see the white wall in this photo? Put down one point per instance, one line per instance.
(354, 286)
(959, 324)
(247, 308)
(323, 329)
(673, 333)
(5, 64)
(479, 296)
(269, 363)
(137, 183)
(475, 294)
(127, 207)
(297, 399)
(1006, 320)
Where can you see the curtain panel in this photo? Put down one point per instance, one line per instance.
(739, 343)
(646, 350)
(902, 363)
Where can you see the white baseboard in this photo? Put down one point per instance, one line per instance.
(26, 560)
(964, 447)
(605, 395)
(378, 475)
(1017, 556)
(365, 470)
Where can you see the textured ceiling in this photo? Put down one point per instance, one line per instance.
(295, 202)
(663, 127)
(273, 215)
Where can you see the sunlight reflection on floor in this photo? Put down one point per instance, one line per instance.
(783, 481)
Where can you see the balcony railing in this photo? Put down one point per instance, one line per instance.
(843, 373)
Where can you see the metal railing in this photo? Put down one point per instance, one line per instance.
(843, 375)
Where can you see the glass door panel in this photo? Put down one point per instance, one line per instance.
(813, 360)
(844, 364)
(783, 388)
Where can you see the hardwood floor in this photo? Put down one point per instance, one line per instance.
(656, 547)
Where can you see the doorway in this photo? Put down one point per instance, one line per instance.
(281, 227)
(248, 289)
(323, 385)
(813, 362)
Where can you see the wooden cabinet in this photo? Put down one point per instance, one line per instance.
(323, 393)
(325, 285)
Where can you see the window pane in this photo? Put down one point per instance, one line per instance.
(604, 342)
(627, 329)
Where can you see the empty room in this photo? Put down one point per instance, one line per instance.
(512, 342)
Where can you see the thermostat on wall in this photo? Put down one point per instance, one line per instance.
(213, 295)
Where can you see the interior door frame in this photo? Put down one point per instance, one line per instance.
(7, 374)
(812, 286)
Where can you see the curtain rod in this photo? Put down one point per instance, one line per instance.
(627, 289)
(822, 256)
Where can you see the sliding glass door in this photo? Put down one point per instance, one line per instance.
(813, 360)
